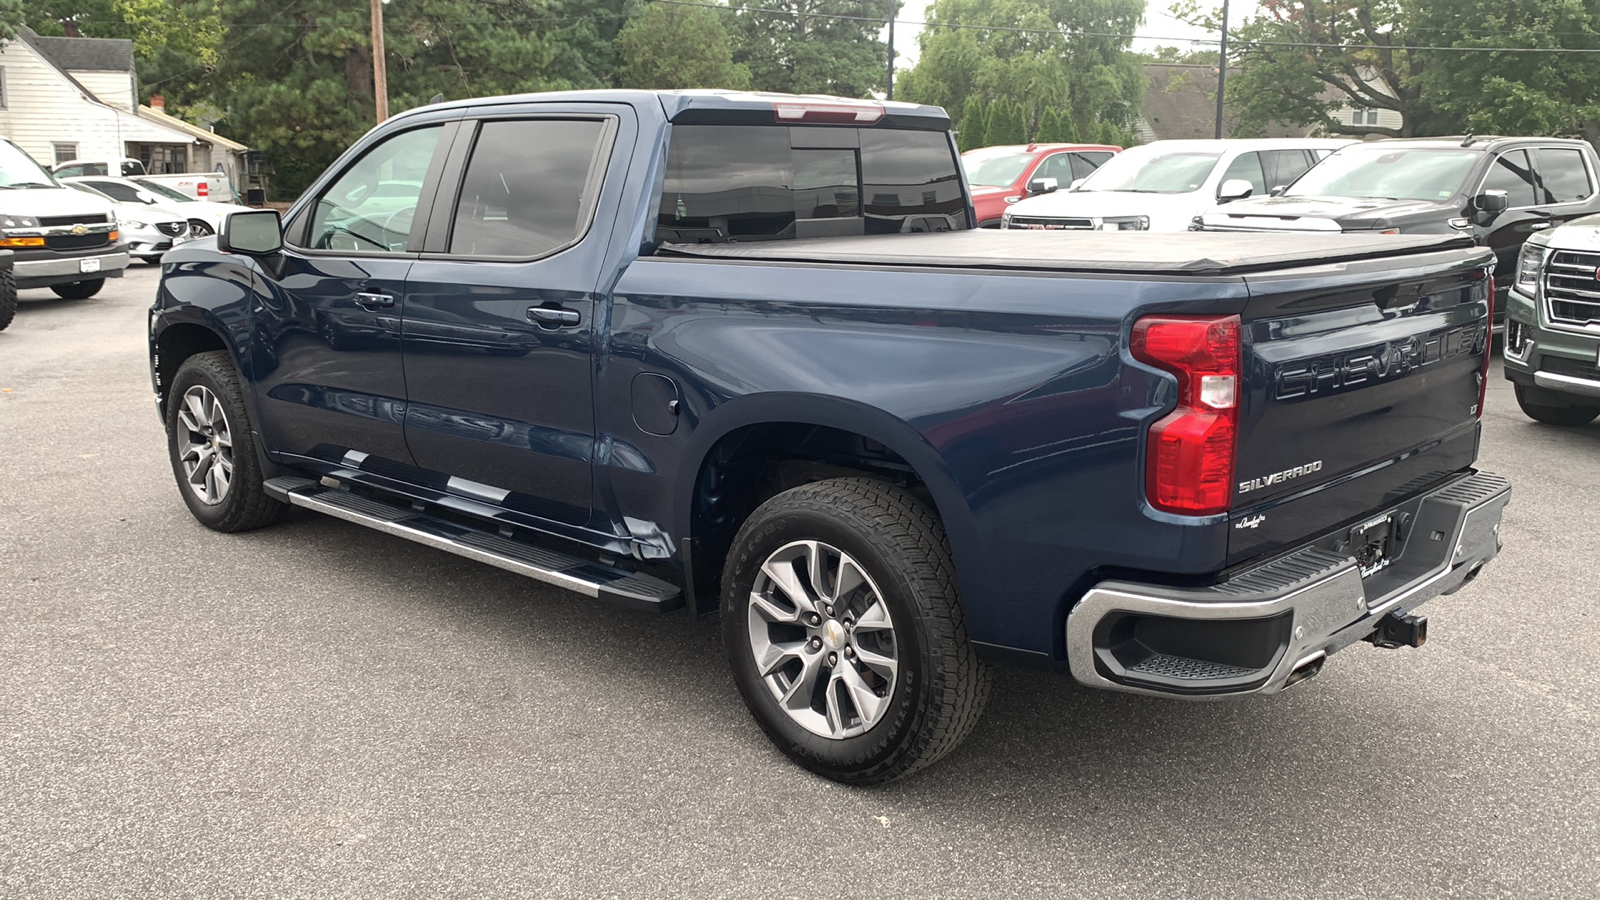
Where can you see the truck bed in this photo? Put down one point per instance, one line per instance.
(1195, 254)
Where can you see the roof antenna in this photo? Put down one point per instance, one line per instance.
(1467, 141)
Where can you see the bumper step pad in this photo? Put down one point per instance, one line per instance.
(628, 589)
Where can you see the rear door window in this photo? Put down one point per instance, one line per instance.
(763, 183)
(1563, 175)
(1513, 174)
(529, 188)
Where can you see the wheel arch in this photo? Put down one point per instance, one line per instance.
(736, 445)
(173, 344)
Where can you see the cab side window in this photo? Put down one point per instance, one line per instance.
(1248, 167)
(1513, 174)
(371, 207)
(529, 187)
(69, 172)
(1563, 175)
(1286, 166)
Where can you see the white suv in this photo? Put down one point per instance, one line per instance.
(65, 240)
(1163, 185)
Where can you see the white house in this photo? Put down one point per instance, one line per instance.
(67, 98)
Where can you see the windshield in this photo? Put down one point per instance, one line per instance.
(1153, 170)
(162, 190)
(1382, 172)
(994, 169)
(18, 170)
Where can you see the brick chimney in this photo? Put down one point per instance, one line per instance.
(158, 103)
(69, 27)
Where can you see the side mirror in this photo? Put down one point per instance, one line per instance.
(1493, 203)
(1042, 186)
(1234, 189)
(255, 232)
(146, 198)
(1277, 190)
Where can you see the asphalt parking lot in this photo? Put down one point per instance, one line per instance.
(317, 710)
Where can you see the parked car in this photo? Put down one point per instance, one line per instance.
(1552, 344)
(63, 239)
(73, 168)
(620, 365)
(1498, 190)
(204, 216)
(1163, 185)
(1000, 176)
(149, 231)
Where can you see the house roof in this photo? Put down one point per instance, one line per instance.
(195, 131)
(1181, 102)
(81, 54)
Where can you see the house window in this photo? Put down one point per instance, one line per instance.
(1364, 117)
(65, 152)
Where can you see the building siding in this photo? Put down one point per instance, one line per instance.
(34, 86)
(110, 88)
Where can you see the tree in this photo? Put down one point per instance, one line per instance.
(1539, 93)
(1111, 134)
(1007, 126)
(678, 47)
(1065, 54)
(296, 79)
(812, 46)
(970, 135)
(1301, 61)
(175, 42)
(1049, 125)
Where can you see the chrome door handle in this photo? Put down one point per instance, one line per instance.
(374, 301)
(553, 316)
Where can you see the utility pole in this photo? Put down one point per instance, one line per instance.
(1222, 68)
(892, 14)
(380, 71)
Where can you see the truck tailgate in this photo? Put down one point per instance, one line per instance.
(1363, 385)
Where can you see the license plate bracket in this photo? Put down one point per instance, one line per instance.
(89, 265)
(1372, 543)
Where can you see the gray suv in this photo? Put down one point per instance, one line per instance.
(1552, 349)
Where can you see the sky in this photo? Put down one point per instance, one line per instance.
(1165, 30)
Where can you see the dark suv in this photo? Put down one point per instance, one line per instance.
(1499, 190)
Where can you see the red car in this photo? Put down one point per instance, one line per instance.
(999, 176)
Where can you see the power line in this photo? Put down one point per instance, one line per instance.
(1145, 37)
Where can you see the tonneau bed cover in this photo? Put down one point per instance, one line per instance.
(1194, 253)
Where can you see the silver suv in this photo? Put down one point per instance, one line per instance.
(1552, 348)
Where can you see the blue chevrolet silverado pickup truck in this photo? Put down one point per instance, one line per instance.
(745, 353)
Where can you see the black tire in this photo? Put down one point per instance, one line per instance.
(941, 685)
(244, 504)
(79, 290)
(8, 298)
(1566, 416)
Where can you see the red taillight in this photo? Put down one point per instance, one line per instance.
(828, 113)
(1189, 457)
